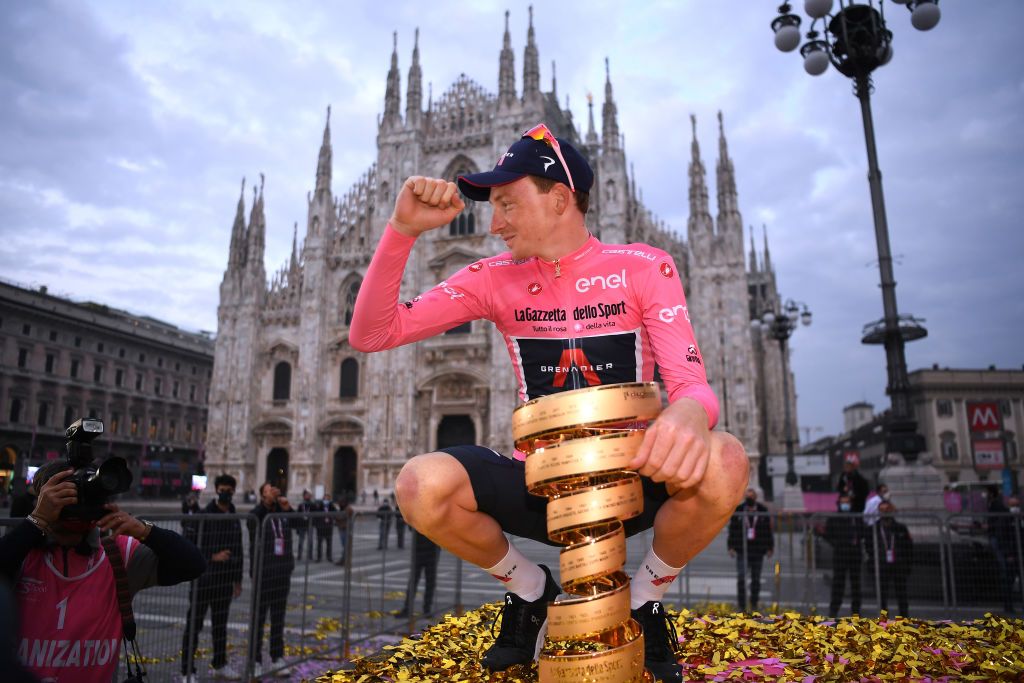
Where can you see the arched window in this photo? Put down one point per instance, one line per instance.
(465, 222)
(349, 385)
(282, 381)
(349, 306)
(15, 410)
(947, 446)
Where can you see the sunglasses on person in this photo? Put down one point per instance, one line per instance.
(541, 133)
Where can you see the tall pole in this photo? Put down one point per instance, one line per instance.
(898, 385)
(791, 478)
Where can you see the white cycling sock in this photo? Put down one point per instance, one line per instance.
(519, 574)
(651, 581)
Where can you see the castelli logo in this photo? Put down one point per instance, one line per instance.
(475, 267)
(665, 269)
(534, 288)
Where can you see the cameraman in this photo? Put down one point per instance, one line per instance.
(220, 542)
(59, 569)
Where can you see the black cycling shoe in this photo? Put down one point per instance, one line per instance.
(661, 642)
(523, 625)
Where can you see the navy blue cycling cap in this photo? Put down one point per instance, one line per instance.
(537, 153)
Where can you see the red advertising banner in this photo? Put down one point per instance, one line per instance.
(984, 416)
(988, 454)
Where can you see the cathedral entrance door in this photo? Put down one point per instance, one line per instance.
(344, 480)
(456, 430)
(277, 469)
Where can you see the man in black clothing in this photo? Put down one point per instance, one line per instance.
(272, 541)
(852, 482)
(750, 540)
(384, 514)
(323, 526)
(895, 557)
(220, 542)
(425, 555)
(845, 533)
(1002, 540)
(190, 527)
(303, 530)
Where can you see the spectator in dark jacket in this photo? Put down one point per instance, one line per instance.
(425, 555)
(750, 540)
(852, 482)
(384, 514)
(272, 541)
(845, 533)
(190, 506)
(306, 527)
(895, 557)
(220, 542)
(1002, 541)
(324, 526)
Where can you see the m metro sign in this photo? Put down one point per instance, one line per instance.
(983, 416)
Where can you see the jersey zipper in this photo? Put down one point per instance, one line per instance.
(558, 268)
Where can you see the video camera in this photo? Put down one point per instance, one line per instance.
(94, 485)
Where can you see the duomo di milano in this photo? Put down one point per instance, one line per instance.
(292, 402)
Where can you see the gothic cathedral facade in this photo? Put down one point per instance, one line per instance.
(293, 403)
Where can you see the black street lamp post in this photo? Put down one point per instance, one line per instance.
(780, 326)
(855, 41)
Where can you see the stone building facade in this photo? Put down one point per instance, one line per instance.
(293, 403)
(147, 380)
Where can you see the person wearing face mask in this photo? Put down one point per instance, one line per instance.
(871, 507)
(845, 533)
(750, 540)
(220, 542)
(70, 626)
(895, 557)
(272, 538)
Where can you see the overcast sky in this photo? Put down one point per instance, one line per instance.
(126, 128)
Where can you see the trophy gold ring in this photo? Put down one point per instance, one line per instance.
(578, 445)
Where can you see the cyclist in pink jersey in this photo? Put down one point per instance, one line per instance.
(69, 621)
(573, 312)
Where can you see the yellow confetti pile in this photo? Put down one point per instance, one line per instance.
(723, 647)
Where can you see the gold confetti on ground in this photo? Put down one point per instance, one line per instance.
(724, 647)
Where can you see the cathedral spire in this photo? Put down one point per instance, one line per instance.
(531, 63)
(728, 202)
(414, 94)
(698, 182)
(323, 164)
(591, 133)
(507, 70)
(609, 114)
(257, 229)
(753, 252)
(554, 82)
(393, 94)
(236, 252)
(294, 264)
(767, 257)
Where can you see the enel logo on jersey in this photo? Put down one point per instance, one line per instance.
(613, 281)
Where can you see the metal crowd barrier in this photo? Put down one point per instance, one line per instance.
(964, 565)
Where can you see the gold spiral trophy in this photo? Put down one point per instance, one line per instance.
(578, 444)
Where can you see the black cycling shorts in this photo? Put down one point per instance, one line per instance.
(499, 485)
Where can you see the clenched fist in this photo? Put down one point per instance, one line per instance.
(424, 204)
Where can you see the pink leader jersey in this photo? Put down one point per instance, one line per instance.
(601, 315)
(83, 603)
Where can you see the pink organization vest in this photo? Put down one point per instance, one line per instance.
(70, 625)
